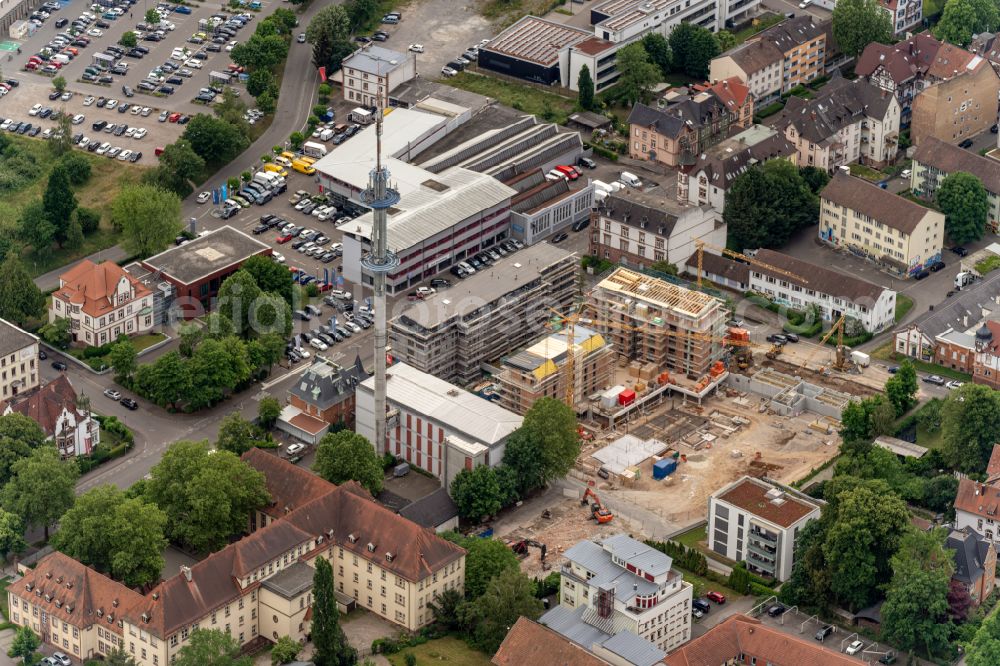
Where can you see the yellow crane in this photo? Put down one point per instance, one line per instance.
(840, 356)
(701, 245)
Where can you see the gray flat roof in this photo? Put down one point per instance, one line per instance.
(508, 275)
(13, 339)
(374, 59)
(291, 581)
(901, 447)
(211, 253)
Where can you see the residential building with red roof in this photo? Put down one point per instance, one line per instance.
(962, 103)
(904, 14)
(902, 69)
(18, 361)
(256, 589)
(977, 503)
(54, 407)
(755, 521)
(102, 302)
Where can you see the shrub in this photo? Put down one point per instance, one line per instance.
(77, 168)
(89, 219)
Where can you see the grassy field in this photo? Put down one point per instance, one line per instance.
(545, 105)
(759, 24)
(140, 342)
(692, 538)
(886, 353)
(447, 650)
(903, 305)
(867, 173)
(106, 178)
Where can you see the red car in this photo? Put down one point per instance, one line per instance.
(326, 286)
(173, 117)
(717, 597)
(284, 239)
(568, 171)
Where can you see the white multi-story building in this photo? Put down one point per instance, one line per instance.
(757, 522)
(372, 72)
(622, 591)
(18, 361)
(102, 301)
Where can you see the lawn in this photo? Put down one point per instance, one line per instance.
(867, 173)
(545, 105)
(692, 538)
(140, 342)
(97, 193)
(447, 650)
(759, 24)
(886, 353)
(903, 305)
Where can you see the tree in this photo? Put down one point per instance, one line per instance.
(119, 657)
(111, 532)
(637, 75)
(296, 139)
(59, 83)
(269, 276)
(959, 601)
(207, 498)
(24, 645)
(726, 40)
(59, 202)
(664, 267)
(961, 19)
(128, 39)
(658, 49)
(329, 26)
(148, 216)
(984, 650)
(476, 492)
(11, 534)
(815, 178)
(856, 23)
(35, 228)
(89, 219)
(966, 206)
(915, 612)
(968, 432)
(211, 647)
(545, 446)
(346, 456)
(238, 435)
(217, 141)
(57, 333)
(585, 87)
(268, 411)
(179, 167)
(231, 109)
(767, 204)
(122, 359)
(236, 297)
(285, 650)
(507, 597)
(692, 48)
(259, 81)
(901, 388)
(331, 646)
(218, 365)
(61, 141)
(74, 236)
(152, 16)
(41, 488)
(445, 608)
(484, 559)
(20, 298)
(270, 314)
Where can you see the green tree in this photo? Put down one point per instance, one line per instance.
(296, 139)
(664, 267)
(128, 39)
(152, 16)
(59, 202)
(170, 380)
(179, 167)
(637, 75)
(692, 48)
(89, 219)
(61, 141)
(658, 48)
(545, 446)
(331, 646)
(122, 359)
(231, 109)
(984, 650)
(11, 534)
(217, 366)
(815, 178)
(74, 236)
(268, 411)
(915, 612)
(24, 645)
(41, 488)
(767, 204)
(857, 23)
(259, 81)
(862, 421)
(901, 388)
(207, 497)
(329, 26)
(969, 427)
(111, 532)
(119, 657)
(966, 206)
(484, 559)
(726, 39)
(211, 647)
(270, 313)
(59, 83)
(476, 493)
(238, 435)
(285, 650)
(961, 19)
(507, 597)
(20, 298)
(57, 333)
(739, 578)
(35, 228)
(585, 88)
(148, 216)
(236, 299)
(217, 141)
(347, 456)
(269, 276)
(446, 609)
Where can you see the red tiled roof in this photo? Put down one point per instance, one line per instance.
(46, 403)
(903, 61)
(290, 486)
(950, 61)
(531, 644)
(732, 92)
(751, 496)
(980, 499)
(91, 286)
(993, 466)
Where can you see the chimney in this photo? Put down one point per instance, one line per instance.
(187, 573)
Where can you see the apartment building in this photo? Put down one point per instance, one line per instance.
(539, 371)
(323, 397)
(19, 370)
(372, 72)
(649, 319)
(102, 302)
(847, 121)
(73, 430)
(986, 360)
(433, 425)
(905, 15)
(977, 502)
(487, 315)
(757, 522)
(529, 642)
(789, 54)
(686, 124)
(934, 160)
(621, 589)
(542, 207)
(638, 229)
(896, 234)
(975, 563)
(255, 589)
(959, 107)
(906, 68)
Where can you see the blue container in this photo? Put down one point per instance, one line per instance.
(664, 468)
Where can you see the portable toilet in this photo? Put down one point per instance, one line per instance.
(664, 468)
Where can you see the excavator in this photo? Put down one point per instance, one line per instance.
(521, 548)
(597, 510)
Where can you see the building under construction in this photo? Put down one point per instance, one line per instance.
(655, 321)
(540, 370)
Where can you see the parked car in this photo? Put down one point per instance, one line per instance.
(776, 610)
(966, 144)
(113, 394)
(959, 250)
(934, 379)
(855, 647)
(717, 597)
(295, 448)
(823, 632)
(702, 605)
(129, 403)
(59, 365)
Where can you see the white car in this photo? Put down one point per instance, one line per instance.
(295, 448)
(146, 111)
(193, 63)
(278, 257)
(354, 327)
(203, 197)
(855, 647)
(103, 148)
(84, 142)
(448, 71)
(111, 104)
(130, 132)
(124, 155)
(33, 111)
(95, 32)
(78, 118)
(417, 48)
(316, 343)
(47, 134)
(5, 125)
(230, 45)
(340, 294)
(89, 100)
(954, 384)
(424, 292)
(139, 133)
(135, 110)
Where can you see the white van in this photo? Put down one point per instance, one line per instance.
(326, 135)
(601, 186)
(630, 179)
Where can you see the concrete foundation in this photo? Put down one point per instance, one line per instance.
(789, 395)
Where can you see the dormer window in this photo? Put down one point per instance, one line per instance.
(352, 538)
(371, 547)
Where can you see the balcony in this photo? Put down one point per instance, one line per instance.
(771, 538)
(758, 554)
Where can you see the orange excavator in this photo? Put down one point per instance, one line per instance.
(597, 510)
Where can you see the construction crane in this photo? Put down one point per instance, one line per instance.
(840, 356)
(597, 510)
(701, 245)
(568, 322)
